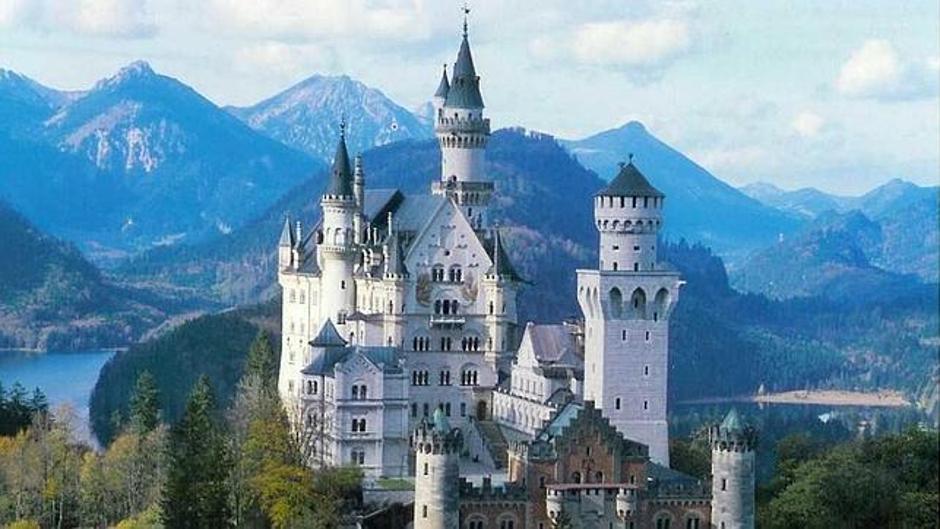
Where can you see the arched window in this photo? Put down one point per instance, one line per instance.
(638, 301)
(437, 273)
(576, 477)
(437, 306)
(616, 302)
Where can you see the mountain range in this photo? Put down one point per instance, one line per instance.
(894, 227)
(699, 206)
(307, 117)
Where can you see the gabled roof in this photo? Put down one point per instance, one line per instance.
(326, 359)
(630, 182)
(553, 344)
(340, 183)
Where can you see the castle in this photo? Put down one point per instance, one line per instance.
(402, 353)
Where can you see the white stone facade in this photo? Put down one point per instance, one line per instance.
(424, 274)
(626, 305)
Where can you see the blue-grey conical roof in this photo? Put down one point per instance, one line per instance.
(328, 336)
(630, 182)
(465, 86)
(732, 422)
(444, 86)
(341, 174)
(287, 235)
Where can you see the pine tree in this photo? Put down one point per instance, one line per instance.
(262, 361)
(145, 404)
(196, 495)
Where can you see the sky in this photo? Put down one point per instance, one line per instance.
(838, 95)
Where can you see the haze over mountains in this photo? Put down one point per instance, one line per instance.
(143, 173)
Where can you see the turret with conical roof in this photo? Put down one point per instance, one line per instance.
(628, 213)
(285, 246)
(337, 250)
(463, 132)
(733, 444)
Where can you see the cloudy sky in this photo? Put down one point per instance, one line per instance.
(840, 95)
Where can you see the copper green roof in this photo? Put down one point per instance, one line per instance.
(732, 422)
(630, 182)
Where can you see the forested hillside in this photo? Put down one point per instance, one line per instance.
(52, 298)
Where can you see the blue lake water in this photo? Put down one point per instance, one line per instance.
(65, 378)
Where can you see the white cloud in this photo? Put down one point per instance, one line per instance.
(631, 43)
(106, 18)
(808, 124)
(282, 60)
(314, 19)
(876, 71)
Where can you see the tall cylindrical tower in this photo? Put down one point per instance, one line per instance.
(733, 444)
(626, 304)
(463, 132)
(437, 447)
(337, 250)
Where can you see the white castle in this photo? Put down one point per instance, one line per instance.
(395, 305)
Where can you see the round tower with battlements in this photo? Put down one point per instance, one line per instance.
(437, 450)
(733, 444)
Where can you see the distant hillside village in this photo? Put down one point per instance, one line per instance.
(402, 353)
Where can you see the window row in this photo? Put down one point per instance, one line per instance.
(443, 406)
(296, 296)
(358, 425)
(453, 275)
(446, 306)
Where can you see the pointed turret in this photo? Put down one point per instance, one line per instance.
(394, 258)
(502, 267)
(328, 336)
(733, 473)
(443, 87)
(630, 182)
(464, 89)
(341, 183)
(287, 236)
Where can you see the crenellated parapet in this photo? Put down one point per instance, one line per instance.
(436, 437)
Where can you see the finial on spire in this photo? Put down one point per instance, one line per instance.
(466, 15)
(630, 157)
(342, 126)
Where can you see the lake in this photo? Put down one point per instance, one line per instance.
(65, 378)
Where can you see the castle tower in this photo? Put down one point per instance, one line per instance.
(500, 284)
(337, 250)
(437, 447)
(440, 95)
(626, 305)
(285, 246)
(463, 132)
(395, 276)
(733, 445)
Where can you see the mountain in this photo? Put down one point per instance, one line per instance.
(699, 206)
(51, 297)
(906, 213)
(543, 201)
(307, 116)
(141, 159)
(832, 259)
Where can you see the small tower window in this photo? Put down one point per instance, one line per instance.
(617, 403)
(636, 267)
(646, 404)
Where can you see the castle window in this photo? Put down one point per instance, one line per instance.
(414, 409)
(692, 523)
(455, 274)
(646, 404)
(615, 248)
(424, 511)
(293, 296)
(615, 266)
(636, 248)
(634, 201)
(617, 403)
(623, 335)
(646, 371)
(342, 285)
(636, 267)
(491, 307)
(463, 409)
(437, 273)
(724, 484)
(425, 469)
(426, 409)
(447, 409)
(303, 297)
(576, 477)
(647, 336)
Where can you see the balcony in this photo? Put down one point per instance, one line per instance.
(448, 321)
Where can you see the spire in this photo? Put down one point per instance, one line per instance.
(465, 86)
(501, 265)
(359, 181)
(444, 85)
(394, 259)
(328, 336)
(287, 236)
(341, 175)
